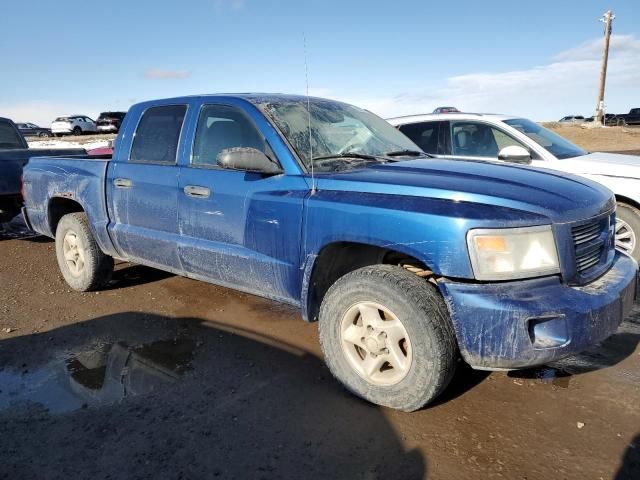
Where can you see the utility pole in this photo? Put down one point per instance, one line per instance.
(607, 18)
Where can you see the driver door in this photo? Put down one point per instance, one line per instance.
(239, 229)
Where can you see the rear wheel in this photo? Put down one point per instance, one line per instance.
(83, 265)
(386, 335)
(44, 134)
(628, 230)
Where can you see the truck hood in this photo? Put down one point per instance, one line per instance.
(556, 196)
(600, 163)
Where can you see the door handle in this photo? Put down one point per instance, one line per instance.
(122, 183)
(197, 191)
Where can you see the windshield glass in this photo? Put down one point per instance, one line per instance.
(337, 130)
(560, 147)
(9, 137)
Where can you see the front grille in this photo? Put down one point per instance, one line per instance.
(592, 243)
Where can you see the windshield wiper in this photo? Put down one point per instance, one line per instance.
(407, 153)
(339, 156)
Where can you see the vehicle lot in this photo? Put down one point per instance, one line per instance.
(165, 377)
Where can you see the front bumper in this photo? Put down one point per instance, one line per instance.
(525, 323)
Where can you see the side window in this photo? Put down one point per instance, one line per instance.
(471, 139)
(158, 133)
(424, 134)
(221, 127)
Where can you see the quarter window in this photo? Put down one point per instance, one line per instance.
(158, 134)
(220, 128)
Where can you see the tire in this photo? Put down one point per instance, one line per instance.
(44, 134)
(621, 122)
(628, 230)
(430, 350)
(91, 269)
(77, 131)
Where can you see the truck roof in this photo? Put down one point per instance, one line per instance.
(254, 98)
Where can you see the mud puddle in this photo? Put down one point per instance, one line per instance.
(103, 375)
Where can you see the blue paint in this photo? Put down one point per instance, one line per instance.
(263, 234)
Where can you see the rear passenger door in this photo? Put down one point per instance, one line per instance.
(143, 190)
(240, 229)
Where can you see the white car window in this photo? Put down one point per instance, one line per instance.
(475, 139)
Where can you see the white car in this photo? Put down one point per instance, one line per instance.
(506, 138)
(73, 124)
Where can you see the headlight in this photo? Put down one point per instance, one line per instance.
(509, 253)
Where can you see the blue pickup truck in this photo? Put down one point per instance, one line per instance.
(408, 262)
(14, 154)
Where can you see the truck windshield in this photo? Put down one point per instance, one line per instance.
(9, 137)
(560, 147)
(341, 135)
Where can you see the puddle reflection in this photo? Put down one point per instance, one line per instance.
(104, 375)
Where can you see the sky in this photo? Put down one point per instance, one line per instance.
(539, 59)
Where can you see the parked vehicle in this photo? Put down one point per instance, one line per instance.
(407, 261)
(608, 117)
(572, 119)
(631, 118)
(73, 125)
(446, 110)
(33, 130)
(110, 121)
(518, 140)
(14, 153)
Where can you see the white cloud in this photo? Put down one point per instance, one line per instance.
(566, 85)
(162, 74)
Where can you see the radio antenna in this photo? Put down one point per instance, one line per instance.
(306, 75)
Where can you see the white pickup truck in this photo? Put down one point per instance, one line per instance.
(518, 140)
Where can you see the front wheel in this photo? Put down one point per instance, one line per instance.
(83, 265)
(386, 335)
(628, 230)
(77, 131)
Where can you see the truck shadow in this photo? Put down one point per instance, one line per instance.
(135, 395)
(630, 465)
(130, 274)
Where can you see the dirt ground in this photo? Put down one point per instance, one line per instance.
(164, 377)
(609, 139)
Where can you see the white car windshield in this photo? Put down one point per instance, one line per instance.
(341, 135)
(560, 147)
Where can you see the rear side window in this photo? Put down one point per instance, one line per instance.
(425, 135)
(222, 127)
(158, 133)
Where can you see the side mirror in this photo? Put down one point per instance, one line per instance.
(515, 154)
(247, 159)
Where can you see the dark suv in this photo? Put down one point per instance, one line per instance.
(110, 121)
